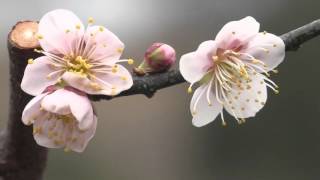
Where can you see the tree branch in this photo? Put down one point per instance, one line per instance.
(20, 157)
(149, 84)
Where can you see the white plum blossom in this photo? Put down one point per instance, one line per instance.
(232, 72)
(82, 57)
(62, 118)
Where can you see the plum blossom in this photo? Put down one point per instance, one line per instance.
(62, 118)
(82, 57)
(232, 72)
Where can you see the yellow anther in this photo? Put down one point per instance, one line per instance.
(101, 28)
(130, 61)
(124, 78)
(78, 26)
(66, 149)
(114, 69)
(49, 77)
(39, 36)
(90, 20)
(209, 104)
(189, 90)
(67, 31)
(275, 71)
(113, 91)
(194, 113)
(30, 61)
(276, 91)
(37, 51)
(120, 50)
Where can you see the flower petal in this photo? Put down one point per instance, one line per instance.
(193, 67)
(237, 33)
(32, 109)
(84, 84)
(59, 30)
(120, 80)
(35, 79)
(267, 48)
(203, 114)
(206, 50)
(64, 102)
(83, 137)
(245, 101)
(103, 45)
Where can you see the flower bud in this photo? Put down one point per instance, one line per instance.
(159, 57)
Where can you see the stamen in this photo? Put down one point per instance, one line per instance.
(30, 61)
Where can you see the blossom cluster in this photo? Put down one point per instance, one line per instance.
(231, 72)
(77, 60)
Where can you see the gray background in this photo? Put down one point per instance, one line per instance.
(153, 139)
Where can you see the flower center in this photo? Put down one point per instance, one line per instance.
(78, 65)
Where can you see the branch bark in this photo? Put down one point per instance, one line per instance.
(20, 157)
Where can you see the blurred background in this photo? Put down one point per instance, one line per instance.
(153, 139)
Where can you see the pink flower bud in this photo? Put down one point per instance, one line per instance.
(159, 57)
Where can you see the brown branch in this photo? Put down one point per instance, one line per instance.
(20, 157)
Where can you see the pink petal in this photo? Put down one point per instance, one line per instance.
(103, 45)
(206, 50)
(54, 25)
(250, 100)
(121, 80)
(237, 33)
(57, 102)
(203, 114)
(194, 67)
(81, 83)
(35, 79)
(32, 109)
(268, 48)
(64, 101)
(83, 137)
(49, 124)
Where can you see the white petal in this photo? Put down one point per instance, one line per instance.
(237, 33)
(247, 100)
(203, 114)
(35, 79)
(53, 27)
(32, 109)
(268, 48)
(193, 67)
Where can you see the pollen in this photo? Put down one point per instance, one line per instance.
(124, 78)
(130, 61)
(114, 69)
(30, 61)
(39, 36)
(90, 20)
(120, 50)
(101, 28)
(67, 31)
(189, 90)
(78, 26)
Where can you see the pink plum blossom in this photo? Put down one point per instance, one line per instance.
(232, 72)
(62, 118)
(82, 57)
